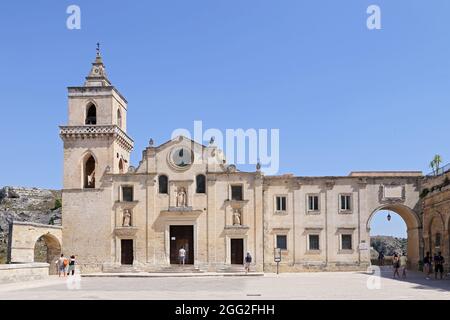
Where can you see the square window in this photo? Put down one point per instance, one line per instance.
(345, 202)
(236, 193)
(313, 242)
(127, 193)
(280, 203)
(313, 203)
(282, 242)
(346, 242)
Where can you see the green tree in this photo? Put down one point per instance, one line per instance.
(58, 204)
(436, 163)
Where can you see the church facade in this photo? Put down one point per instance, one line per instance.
(117, 217)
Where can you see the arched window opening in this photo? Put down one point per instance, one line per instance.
(120, 166)
(89, 173)
(163, 182)
(119, 119)
(91, 115)
(438, 240)
(201, 183)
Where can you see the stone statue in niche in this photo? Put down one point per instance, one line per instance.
(181, 197)
(237, 217)
(126, 218)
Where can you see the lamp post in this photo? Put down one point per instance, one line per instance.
(277, 257)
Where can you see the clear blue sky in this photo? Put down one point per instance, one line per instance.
(344, 97)
(379, 225)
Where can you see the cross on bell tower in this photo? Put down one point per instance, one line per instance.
(97, 76)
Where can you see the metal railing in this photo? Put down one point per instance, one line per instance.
(440, 171)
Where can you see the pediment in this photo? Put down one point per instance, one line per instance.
(179, 155)
(181, 141)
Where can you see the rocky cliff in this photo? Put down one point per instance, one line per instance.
(27, 204)
(389, 245)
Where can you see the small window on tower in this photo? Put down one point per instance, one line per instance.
(119, 119)
(91, 115)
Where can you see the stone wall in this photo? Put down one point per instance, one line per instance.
(23, 272)
(27, 205)
(436, 215)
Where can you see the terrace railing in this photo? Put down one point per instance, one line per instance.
(440, 171)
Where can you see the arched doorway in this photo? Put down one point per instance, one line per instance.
(413, 229)
(47, 249)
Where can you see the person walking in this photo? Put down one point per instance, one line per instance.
(248, 261)
(438, 265)
(427, 265)
(396, 265)
(182, 256)
(62, 263)
(403, 264)
(71, 265)
(381, 258)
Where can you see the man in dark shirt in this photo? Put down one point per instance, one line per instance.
(427, 265)
(438, 265)
(381, 259)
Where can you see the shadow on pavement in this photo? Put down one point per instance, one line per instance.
(418, 278)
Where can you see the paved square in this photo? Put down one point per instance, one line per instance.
(332, 285)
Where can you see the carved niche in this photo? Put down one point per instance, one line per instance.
(181, 197)
(237, 217)
(126, 218)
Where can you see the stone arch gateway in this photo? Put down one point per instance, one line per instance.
(23, 237)
(413, 226)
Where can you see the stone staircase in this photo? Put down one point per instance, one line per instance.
(180, 269)
(197, 269)
(234, 268)
(120, 269)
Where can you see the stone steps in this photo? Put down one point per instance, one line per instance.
(180, 269)
(231, 269)
(121, 269)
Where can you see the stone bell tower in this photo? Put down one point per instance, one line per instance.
(95, 139)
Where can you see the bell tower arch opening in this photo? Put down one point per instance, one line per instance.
(89, 171)
(121, 166)
(91, 114)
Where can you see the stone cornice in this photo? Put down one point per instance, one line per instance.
(93, 90)
(95, 131)
(34, 224)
